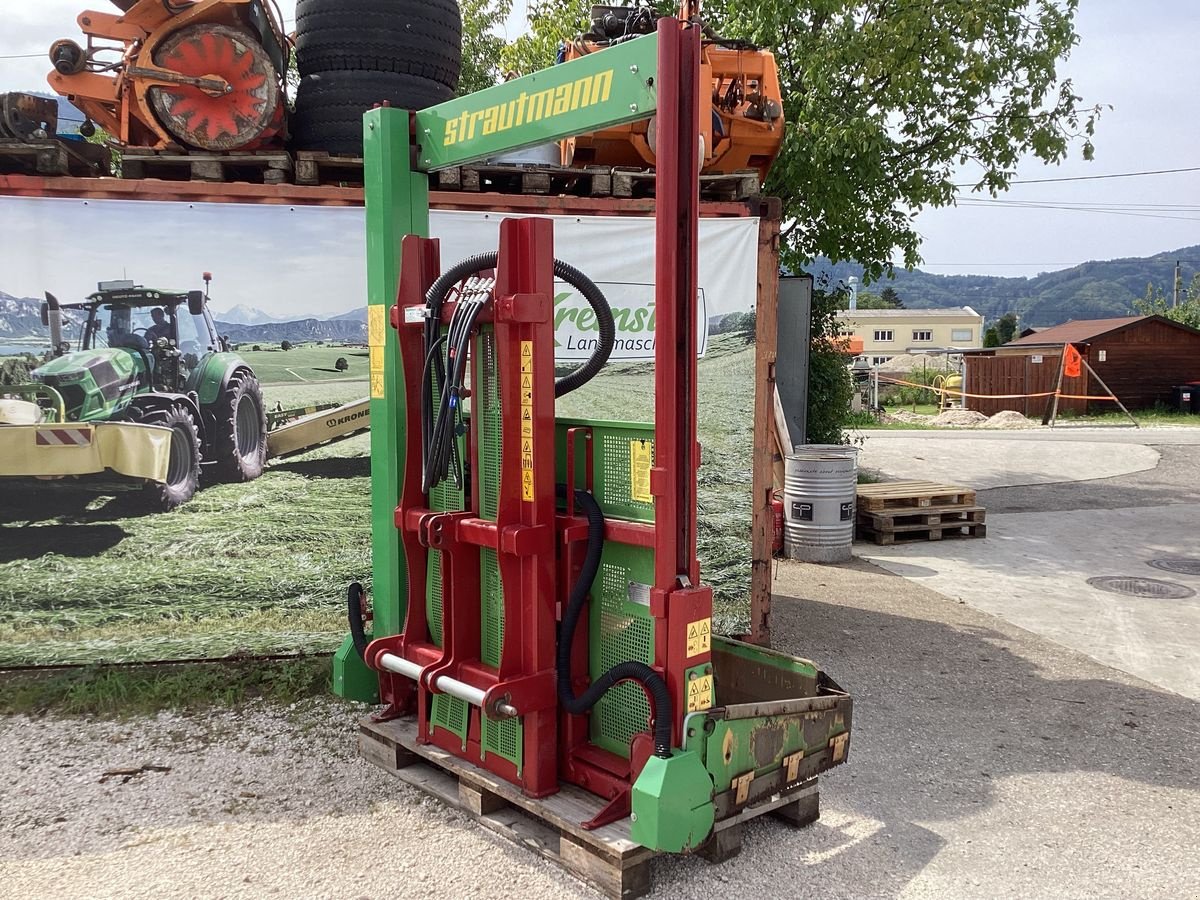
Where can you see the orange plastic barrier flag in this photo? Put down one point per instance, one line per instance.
(1072, 362)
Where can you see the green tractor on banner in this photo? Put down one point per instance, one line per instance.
(146, 391)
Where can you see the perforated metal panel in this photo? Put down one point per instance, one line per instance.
(450, 713)
(612, 464)
(503, 738)
(488, 385)
(615, 485)
(433, 596)
(621, 630)
(492, 634)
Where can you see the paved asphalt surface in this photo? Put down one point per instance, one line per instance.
(1047, 542)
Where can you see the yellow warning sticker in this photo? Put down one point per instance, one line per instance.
(641, 457)
(527, 420)
(699, 637)
(376, 366)
(700, 693)
(376, 325)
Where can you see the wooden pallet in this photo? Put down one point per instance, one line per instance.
(899, 520)
(912, 495)
(605, 858)
(254, 166)
(591, 181)
(318, 167)
(740, 185)
(907, 534)
(511, 178)
(53, 157)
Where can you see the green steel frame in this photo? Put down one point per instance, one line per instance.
(583, 95)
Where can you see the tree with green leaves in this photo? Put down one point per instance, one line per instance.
(1006, 327)
(864, 300)
(991, 338)
(889, 107)
(887, 104)
(1155, 303)
(482, 48)
(890, 298)
(551, 24)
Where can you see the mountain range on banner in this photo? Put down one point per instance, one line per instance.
(1091, 290)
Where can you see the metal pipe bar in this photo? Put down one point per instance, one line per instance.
(447, 685)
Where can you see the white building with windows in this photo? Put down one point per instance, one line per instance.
(894, 332)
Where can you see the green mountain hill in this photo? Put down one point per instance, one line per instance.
(1091, 290)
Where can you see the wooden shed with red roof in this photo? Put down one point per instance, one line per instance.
(1139, 358)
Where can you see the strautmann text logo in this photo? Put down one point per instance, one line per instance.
(528, 108)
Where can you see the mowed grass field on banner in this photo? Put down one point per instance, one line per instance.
(262, 567)
(305, 364)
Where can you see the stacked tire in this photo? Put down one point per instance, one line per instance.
(355, 54)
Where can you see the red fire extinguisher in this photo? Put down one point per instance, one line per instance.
(777, 509)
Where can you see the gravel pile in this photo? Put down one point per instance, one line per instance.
(958, 418)
(1008, 419)
(904, 363)
(907, 417)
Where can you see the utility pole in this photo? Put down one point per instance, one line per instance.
(1178, 282)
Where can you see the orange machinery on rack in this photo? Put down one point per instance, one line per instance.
(742, 120)
(206, 74)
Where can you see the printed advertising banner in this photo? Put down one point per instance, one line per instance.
(282, 263)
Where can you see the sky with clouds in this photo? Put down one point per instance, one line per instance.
(1132, 57)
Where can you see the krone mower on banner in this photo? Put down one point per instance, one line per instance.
(540, 625)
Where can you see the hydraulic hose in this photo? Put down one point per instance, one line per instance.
(440, 415)
(440, 289)
(354, 597)
(626, 671)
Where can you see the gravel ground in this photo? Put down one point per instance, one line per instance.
(260, 802)
(985, 763)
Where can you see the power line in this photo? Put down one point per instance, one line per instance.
(1095, 177)
(1090, 204)
(983, 204)
(926, 265)
(1086, 204)
(24, 56)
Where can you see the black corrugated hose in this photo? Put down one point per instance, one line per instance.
(354, 597)
(626, 671)
(435, 366)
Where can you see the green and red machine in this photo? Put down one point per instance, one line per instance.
(538, 603)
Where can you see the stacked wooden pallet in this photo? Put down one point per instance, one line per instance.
(592, 181)
(310, 167)
(902, 511)
(50, 156)
(255, 166)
